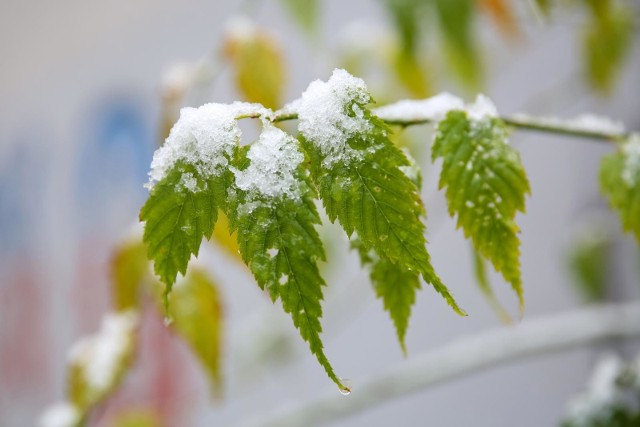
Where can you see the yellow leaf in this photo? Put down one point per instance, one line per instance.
(258, 65)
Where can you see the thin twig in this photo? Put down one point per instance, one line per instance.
(529, 123)
(540, 336)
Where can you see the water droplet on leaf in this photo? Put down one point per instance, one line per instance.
(345, 390)
(168, 321)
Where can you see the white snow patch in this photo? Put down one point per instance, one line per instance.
(62, 414)
(324, 119)
(431, 109)
(601, 394)
(203, 137)
(99, 355)
(188, 182)
(435, 109)
(631, 169)
(482, 108)
(589, 123)
(241, 28)
(274, 159)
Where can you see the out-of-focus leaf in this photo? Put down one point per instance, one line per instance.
(129, 267)
(224, 238)
(607, 41)
(412, 74)
(196, 314)
(588, 259)
(455, 19)
(544, 6)
(258, 65)
(502, 14)
(620, 182)
(137, 418)
(98, 363)
(305, 13)
(480, 271)
(408, 15)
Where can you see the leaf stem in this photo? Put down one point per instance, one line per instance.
(544, 335)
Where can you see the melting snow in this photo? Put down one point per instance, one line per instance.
(432, 109)
(274, 159)
(324, 118)
(203, 137)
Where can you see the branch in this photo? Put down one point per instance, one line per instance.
(466, 356)
(520, 121)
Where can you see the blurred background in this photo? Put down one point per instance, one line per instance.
(89, 90)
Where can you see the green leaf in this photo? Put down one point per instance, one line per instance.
(98, 363)
(196, 313)
(408, 16)
(620, 181)
(305, 12)
(480, 271)
(607, 41)
(455, 18)
(275, 216)
(129, 269)
(177, 218)
(358, 173)
(394, 285)
(588, 261)
(486, 186)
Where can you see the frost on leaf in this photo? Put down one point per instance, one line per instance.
(485, 184)
(98, 363)
(188, 181)
(359, 175)
(620, 181)
(273, 211)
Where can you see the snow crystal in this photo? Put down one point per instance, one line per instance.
(98, 355)
(62, 414)
(274, 159)
(324, 118)
(589, 123)
(631, 169)
(203, 137)
(431, 109)
(188, 182)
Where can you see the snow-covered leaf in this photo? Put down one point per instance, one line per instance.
(274, 214)
(485, 185)
(99, 362)
(189, 179)
(358, 172)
